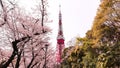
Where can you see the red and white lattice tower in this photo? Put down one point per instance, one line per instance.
(60, 39)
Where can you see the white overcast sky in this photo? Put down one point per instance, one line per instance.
(77, 16)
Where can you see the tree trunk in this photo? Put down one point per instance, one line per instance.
(9, 60)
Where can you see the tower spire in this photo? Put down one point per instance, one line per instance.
(60, 39)
(60, 29)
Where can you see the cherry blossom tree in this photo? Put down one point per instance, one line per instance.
(27, 36)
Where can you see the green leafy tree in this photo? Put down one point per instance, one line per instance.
(106, 22)
(100, 48)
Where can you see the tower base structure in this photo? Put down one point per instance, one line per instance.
(58, 65)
